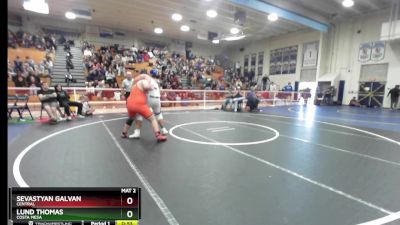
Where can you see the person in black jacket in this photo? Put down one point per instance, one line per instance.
(63, 99)
(394, 96)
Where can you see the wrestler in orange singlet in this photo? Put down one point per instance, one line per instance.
(137, 104)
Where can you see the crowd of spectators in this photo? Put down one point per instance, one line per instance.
(243, 81)
(44, 42)
(103, 65)
(27, 73)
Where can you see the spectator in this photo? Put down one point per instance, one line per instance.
(30, 62)
(87, 53)
(110, 78)
(12, 40)
(227, 105)
(49, 102)
(44, 67)
(50, 66)
(237, 100)
(63, 100)
(252, 101)
(20, 81)
(265, 81)
(18, 65)
(288, 87)
(252, 74)
(27, 39)
(394, 97)
(87, 109)
(354, 102)
(11, 71)
(328, 95)
(33, 80)
(62, 40)
(107, 94)
(68, 63)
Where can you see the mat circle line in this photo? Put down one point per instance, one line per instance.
(224, 143)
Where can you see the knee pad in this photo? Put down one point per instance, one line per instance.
(159, 116)
(139, 117)
(129, 121)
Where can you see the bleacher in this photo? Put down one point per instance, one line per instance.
(34, 54)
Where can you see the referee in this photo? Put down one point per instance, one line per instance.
(126, 86)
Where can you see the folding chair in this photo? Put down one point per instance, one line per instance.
(20, 107)
(24, 106)
(13, 106)
(58, 108)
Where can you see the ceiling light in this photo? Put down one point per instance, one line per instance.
(234, 30)
(273, 17)
(70, 15)
(38, 6)
(158, 30)
(215, 41)
(212, 13)
(234, 38)
(185, 28)
(348, 3)
(176, 17)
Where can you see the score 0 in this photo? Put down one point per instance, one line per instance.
(129, 196)
(130, 200)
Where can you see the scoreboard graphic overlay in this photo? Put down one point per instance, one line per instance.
(74, 206)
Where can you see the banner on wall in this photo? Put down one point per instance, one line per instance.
(246, 64)
(364, 53)
(310, 54)
(278, 68)
(106, 32)
(272, 62)
(253, 62)
(260, 63)
(378, 51)
(283, 61)
(293, 59)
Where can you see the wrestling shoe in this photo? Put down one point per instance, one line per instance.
(160, 137)
(124, 135)
(135, 134)
(164, 131)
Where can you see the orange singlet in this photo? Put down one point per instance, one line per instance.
(137, 103)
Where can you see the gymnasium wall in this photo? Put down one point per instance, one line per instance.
(294, 38)
(339, 51)
(344, 48)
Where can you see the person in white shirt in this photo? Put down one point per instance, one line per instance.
(110, 78)
(87, 53)
(153, 100)
(87, 109)
(273, 87)
(134, 49)
(50, 66)
(127, 85)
